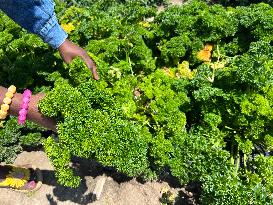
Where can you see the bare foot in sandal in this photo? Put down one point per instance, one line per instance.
(20, 178)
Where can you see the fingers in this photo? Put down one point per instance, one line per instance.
(90, 64)
(69, 51)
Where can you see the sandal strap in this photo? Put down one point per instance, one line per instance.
(17, 177)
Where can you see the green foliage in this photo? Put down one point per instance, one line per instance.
(25, 54)
(23, 57)
(14, 138)
(201, 155)
(228, 189)
(157, 105)
(237, 2)
(110, 139)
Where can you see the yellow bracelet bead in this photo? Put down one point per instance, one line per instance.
(3, 114)
(12, 89)
(5, 107)
(9, 94)
(2, 117)
(7, 100)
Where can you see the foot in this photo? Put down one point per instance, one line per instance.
(21, 178)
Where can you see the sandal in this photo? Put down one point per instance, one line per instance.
(24, 179)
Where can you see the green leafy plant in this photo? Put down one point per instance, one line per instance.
(187, 90)
(15, 138)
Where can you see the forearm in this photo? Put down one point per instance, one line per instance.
(15, 105)
(33, 113)
(36, 16)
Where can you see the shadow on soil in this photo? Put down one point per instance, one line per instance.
(76, 195)
(84, 167)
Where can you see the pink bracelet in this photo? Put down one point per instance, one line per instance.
(24, 107)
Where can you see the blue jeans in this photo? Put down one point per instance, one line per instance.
(36, 16)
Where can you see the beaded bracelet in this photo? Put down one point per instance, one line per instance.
(6, 102)
(24, 107)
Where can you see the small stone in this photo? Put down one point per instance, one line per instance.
(99, 188)
(190, 194)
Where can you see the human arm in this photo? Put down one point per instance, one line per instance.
(38, 17)
(34, 114)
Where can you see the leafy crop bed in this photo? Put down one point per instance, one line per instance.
(187, 91)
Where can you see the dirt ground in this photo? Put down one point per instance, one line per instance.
(118, 189)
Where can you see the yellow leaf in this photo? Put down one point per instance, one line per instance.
(68, 27)
(205, 54)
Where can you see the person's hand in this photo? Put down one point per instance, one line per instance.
(69, 51)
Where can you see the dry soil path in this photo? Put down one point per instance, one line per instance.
(116, 190)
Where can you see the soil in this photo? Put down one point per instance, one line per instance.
(118, 189)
